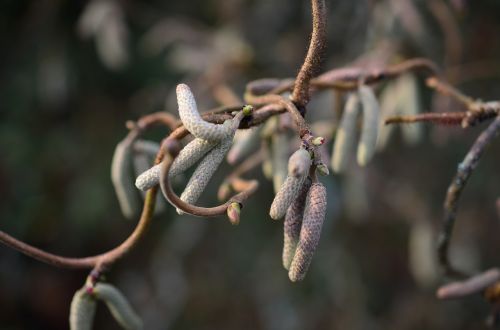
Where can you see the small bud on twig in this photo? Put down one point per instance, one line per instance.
(233, 213)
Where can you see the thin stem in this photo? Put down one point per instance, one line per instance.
(313, 59)
(455, 190)
(440, 118)
(475, 284)
(106, 258)
(302, 127)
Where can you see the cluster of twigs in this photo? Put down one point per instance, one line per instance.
(266, 96)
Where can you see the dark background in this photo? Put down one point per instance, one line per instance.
(64, 100)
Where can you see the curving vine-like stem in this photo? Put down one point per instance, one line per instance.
(465, 169)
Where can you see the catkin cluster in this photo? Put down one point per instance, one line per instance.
(209, 147)
(303, 203)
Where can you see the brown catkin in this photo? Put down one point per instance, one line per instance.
(314, 216)
(299, 163)
(118, 306)
(293, 222)
(82, 310)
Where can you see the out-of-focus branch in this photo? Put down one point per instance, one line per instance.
(313, 59)
(455, 190)
(476, 284)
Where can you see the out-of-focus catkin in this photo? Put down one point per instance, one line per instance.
(293, 223)
(346, 133)
(369, 132)
(279, 154)
(118, 306)
(310, 233)
(82, 310)
(121, 176)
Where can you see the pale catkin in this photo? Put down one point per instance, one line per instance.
(285, 196)
(192, 120)
(142, 161)
(187, 157)
(121, 176)
(82, 311)
(244, 142)
(346, 134)
(149, 148)
(204, 172)
(409, 99)
(369, 132)
(279, 154)
(389, 106)
(299, 163)
(293, 223)
(118, 306)
(310, 233)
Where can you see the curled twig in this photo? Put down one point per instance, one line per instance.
(455, 189)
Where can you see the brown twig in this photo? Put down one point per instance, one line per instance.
(476, 284)
(105, 260)
(301, 124)
(455, 189)
(313, 59)
(440, 118)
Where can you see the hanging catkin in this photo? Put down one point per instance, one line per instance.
(369, 132)
(293, 222)
(121, 176)
(409, 106)
(82, 310)
(194, 123)
(346, 133)
(118, 306)
(298, 166)
(204, 172)
(314, 216)
(279, 154)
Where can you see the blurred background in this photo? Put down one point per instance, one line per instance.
(73, 72)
